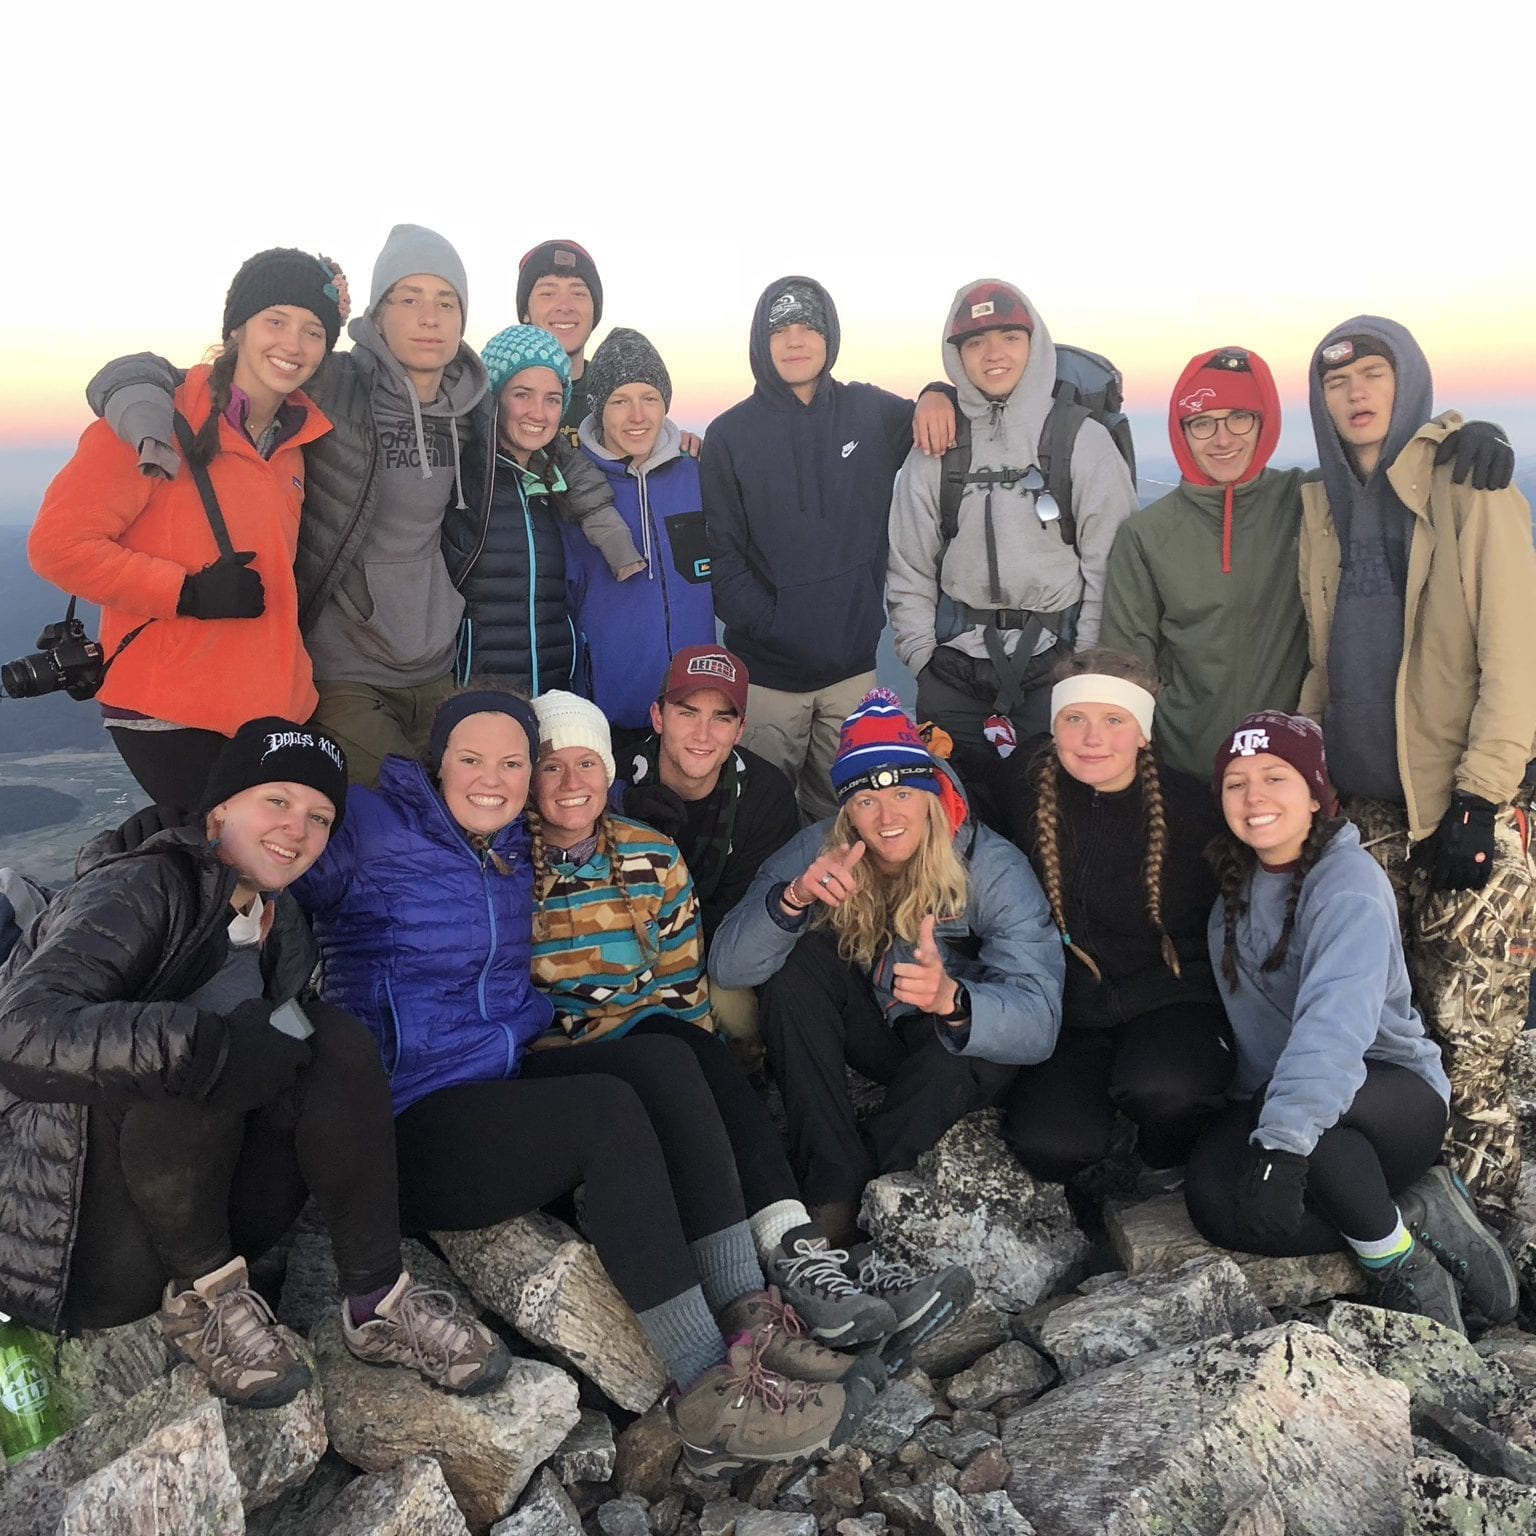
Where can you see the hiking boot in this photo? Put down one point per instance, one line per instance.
(228, 1332)
(923, 1304)
(430, 1332)
(1437, 1209)
(1417, 1282)
(785, 1345)
(741, 1413)
(808, 1270)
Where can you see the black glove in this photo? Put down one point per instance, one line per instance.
(1269, 1196)
(1482, 451)
(260, 1063)
(657, 806)
(227, 589)
(1458, 854)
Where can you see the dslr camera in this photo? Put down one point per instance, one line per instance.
(65, 658)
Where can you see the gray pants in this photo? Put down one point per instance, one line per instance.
(798, 733)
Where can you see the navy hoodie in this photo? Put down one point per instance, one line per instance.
(797, 500)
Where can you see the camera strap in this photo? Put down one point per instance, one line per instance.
(204, 488)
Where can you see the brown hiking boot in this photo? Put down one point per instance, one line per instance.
(228, 1332)
(430, 1332)
(741, 1413)
(785, 1344)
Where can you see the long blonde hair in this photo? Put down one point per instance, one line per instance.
(883, 908)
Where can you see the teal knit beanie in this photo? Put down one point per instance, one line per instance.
(508, 352)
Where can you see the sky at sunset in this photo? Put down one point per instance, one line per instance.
(1159, 181)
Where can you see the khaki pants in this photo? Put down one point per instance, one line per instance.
(1469, 955)
(735, 1014)
(374, 723)
(798, 733)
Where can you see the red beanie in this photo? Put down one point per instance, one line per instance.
(1227, 379)
(1294, 739)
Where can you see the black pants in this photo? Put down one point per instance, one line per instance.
(819, 1016)
(174, 1188)
(958, 692)
(633, 1121)
(1387, 1137)
(1166, 1071)
(171, 767)
(761, 1163)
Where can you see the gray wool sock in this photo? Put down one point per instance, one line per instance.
(684, 1333)
(727, 1265)
(771, 1223)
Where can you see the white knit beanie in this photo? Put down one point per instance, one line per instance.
(566, 720)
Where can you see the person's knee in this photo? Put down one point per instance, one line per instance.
(343, 1043)
(792, 998)
(1051, 1149)
(1167, 1099)
(616, 1120)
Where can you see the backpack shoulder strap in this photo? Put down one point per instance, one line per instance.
(954, 468)
(1057, 436)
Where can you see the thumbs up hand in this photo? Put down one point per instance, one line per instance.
(922, 982)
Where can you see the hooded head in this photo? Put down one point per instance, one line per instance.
(1351, 349)
(1226, 379)
(989, 305)
(791, 301)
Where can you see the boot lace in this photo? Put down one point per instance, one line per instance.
(883, 1275)
(436, 1330)
(821, 1267)
(752, 1380)
(241, 1325)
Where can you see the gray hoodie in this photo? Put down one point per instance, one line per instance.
(394, 619)
(1340, 999)
(1040, 571)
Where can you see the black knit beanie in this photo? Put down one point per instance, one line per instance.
(284, 276)
(625, 357)
(558, 258)
(459, 707)
(277, 751)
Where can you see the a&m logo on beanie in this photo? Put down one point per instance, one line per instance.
(1250, 743)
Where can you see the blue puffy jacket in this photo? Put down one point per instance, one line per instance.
(634, 628)
(423, 939)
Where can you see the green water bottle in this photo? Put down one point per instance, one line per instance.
(31, 1413)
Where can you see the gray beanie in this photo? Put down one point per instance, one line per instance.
(410, 249)
(798, 304)
(625, 357)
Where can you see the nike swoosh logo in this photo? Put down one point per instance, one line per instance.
(849, 447)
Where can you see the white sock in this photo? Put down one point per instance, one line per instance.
(771, 1223)
(1398, 1241)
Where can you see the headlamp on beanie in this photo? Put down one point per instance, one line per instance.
(1350, 349)
(880, 749)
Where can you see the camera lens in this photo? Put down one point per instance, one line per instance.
(28, 677)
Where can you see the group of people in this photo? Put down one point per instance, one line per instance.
(414, 650)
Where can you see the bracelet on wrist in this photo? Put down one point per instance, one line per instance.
(791, 900)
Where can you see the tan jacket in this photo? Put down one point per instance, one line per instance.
(1466, 689)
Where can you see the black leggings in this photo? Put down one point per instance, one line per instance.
(761, 1162)
(171, 767)
(819, 1016)
(1166, 1071)
(175, 1189)
(1387, 1137)
(634, 1122)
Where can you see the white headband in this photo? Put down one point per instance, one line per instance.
(1100, 688)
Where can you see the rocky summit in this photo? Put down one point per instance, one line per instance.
(1114, 1376)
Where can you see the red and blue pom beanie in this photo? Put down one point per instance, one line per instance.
(880, 748)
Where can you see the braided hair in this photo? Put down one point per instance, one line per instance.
(1111, 663)
(221, 380)
(544, 878)
(1234, 862)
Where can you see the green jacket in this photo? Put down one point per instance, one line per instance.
(1223, 645)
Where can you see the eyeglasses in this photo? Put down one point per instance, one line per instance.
(1238, 423)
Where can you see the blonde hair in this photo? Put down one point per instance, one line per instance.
(933, 882)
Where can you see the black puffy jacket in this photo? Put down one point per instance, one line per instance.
(91, 1013)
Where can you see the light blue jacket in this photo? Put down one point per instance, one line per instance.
(1005, 948)
(1340, 999)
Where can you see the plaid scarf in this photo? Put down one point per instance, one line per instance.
(707, 852)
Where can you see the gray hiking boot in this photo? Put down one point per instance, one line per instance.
(786, 1346)
(741, 1413)
(1437, 1209)
(923, 1304)
(808, 1270)
(431, 1333)
(228, 1332)
(1417, 1282)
